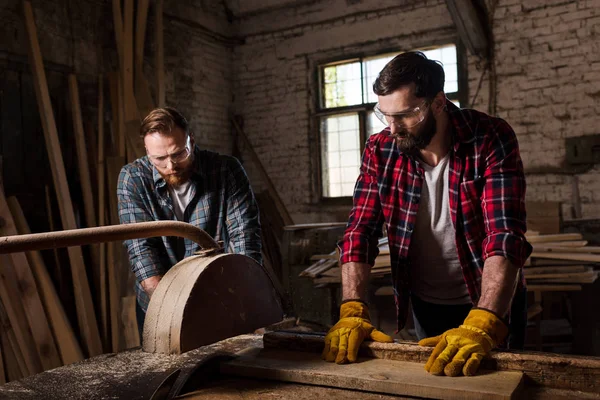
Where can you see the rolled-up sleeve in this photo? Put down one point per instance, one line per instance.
(359, 243)
(242, 218)
(503, 198)
(143, 253)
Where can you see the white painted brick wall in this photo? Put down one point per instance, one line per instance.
(548, 82)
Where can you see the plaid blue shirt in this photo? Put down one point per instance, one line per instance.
(223, 205)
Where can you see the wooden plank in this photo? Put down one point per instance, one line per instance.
(578, 278)
(143, 95)
(570, 372)
(373, 375)
(129, 103)
(560, 249)
(114, 260)
(113, 296)
(118, 26)
(566, 243)
(16, 316)
(588, 272)
(553, 288)
(159, 53)
(50, 214)
(287, 219)
(129, 321)
(553, 238)
(29, 296)
(82, 156)
(67, 344)
(14, 361)
(532, 271)
(566, 256)
(101, 181)
(85, 310)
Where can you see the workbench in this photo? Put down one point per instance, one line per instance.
(134, 374)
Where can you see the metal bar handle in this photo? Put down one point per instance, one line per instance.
(110, 233)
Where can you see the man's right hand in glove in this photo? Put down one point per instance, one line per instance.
(344, 339)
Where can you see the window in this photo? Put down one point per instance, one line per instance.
(346, 117)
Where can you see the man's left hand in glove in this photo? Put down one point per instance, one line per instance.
(460, 350)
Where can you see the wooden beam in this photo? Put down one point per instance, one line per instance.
(85, 310)
(159, 53)
(13, 358)
(287, 219)
(68, 346)
(566, 256)
(469, 26)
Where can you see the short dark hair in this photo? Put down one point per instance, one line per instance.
(164, 120)
(411, 67)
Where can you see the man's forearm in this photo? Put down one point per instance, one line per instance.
(355, 279)
(149, 285)
(498, 285)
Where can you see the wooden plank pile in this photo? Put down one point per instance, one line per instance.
(558, 262)
(36, 333)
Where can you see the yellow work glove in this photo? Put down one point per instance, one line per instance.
(462, 349)
(344, 338)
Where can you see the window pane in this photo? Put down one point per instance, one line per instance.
(340, 143)
(372, 68)
(447, 56)
(342, 85)
(374, 125)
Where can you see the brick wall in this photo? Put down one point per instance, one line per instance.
(547, 74)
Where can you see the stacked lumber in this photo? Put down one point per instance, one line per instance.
(557, 261)
(560, 262)
(37, 330)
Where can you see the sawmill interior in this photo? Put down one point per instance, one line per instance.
(252, 199)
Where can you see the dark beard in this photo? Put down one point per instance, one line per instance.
(420, 140)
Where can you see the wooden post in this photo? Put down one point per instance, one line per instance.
(85, 309)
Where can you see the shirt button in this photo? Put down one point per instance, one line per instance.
(417, 200)
(409, 227)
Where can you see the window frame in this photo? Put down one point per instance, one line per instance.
(363, 109)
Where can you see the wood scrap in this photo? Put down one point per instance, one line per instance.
(85, 309)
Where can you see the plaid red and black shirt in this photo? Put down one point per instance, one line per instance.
(486, 194)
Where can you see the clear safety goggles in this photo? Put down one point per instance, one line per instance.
(176, 157)
(405, 119)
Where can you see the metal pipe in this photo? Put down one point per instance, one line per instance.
(110, 233)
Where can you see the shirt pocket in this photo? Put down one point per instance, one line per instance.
(471, 211)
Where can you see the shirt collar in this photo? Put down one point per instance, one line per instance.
(462, 131)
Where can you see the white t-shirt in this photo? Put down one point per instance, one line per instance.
(436, 274)
(181, 196)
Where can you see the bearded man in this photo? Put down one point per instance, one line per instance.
(178, 181)
(449, 185)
